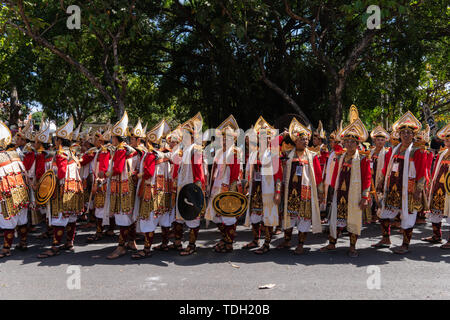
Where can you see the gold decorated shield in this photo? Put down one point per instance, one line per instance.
(46, 187)
(447, 183)
(230, 204)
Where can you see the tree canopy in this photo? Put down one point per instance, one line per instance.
(249, 58)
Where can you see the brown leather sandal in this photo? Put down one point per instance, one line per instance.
(264, 249)
(162, 247)
(115, 254)
(445, 246)
(328, 248)
(4, 254)
(141, 254)
(380, 245)
(432, 240)
(176, 247)
(299, 250)
(251, 245)
(190, 249)
(400, 250)
(283, 245)
(352, 253)
(49, 253)
(94, 238)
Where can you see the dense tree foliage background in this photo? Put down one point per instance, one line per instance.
(246, 57)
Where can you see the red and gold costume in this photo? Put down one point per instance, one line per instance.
(100, 182)
(42, 161)
(262, 212)
(226, 172)
(121, 186)
(85, 172)
(13, 191)
(439, 196)
(351, 182)
(405, 173)
(66, 202)
(302, 187)
(190, 170)
(153, 200)
(378, 157)
(331, 162)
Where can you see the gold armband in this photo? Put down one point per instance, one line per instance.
(365, 194)
(278, 185)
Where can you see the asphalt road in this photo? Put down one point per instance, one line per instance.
(424, 273)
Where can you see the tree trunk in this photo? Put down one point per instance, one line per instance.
(336, 101)
(288, 99)
(14, 106)
(429, 118)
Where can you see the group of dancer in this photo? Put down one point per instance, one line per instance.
(130, 178)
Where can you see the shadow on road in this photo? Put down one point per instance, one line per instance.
(95, 254)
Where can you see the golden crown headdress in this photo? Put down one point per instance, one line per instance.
(297, 130)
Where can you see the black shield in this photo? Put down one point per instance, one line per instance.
(190, 201)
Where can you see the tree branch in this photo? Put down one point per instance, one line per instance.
(43, 42)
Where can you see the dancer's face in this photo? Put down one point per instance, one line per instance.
(406, 136)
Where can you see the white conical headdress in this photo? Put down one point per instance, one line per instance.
(5, 135)
(44, 135)
(120, 129)
(144, 131)
(28, 130)
(137, 131)
(76, 133)
(158, 132)
(66, 131)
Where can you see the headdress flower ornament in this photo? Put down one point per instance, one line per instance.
(444, 132)
(297, 130)
(407, 121)
(355, 130)
(379, 131)
(66, 130)
(120, 129)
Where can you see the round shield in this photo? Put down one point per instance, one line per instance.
(46, 187)
(447, 183)
(230, 204)
(190, 201)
